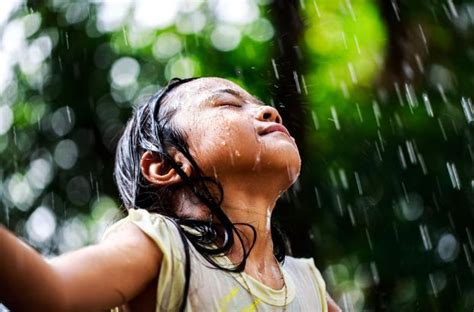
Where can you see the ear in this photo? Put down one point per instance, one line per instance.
(157, 172)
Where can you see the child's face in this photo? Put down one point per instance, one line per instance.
(228, 132)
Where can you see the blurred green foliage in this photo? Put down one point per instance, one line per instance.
(385, 200)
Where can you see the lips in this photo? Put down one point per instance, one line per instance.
(273, 128)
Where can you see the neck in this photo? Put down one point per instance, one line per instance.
(253, 204)
(246, 203)
(241, 208)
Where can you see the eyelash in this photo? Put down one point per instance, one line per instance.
(230, 104)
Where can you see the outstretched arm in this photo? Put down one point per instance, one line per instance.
(93, 278)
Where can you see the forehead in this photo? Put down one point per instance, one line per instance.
(196, 91)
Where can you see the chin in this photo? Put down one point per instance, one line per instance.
(288, 165)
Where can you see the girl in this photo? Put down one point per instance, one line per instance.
(199, 168)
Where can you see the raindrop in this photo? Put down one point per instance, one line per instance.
(453, 174)
(377, 112)
(401, 156)
(452, 8)
(378, 151)
(275, 69)
(97, 189)
(66, 35)
(359, 185)
(379, 134)
(451, 221)
(368, 238)
(14, 135)
(315, 120)
(411, 151)
(316, 8)
(351, 10)
(395, 230)
(304, 85)
(468, 256)
(434, 288)
(399, 94)
(375, 273)
(422, 164)
(435, 201)
(334, 118)
(419, 63)
(469, 238)
(125, 37)
(343, 35)
(344, 89)
(352, 72)
(423, 37)
(343, 178)
(427, 103)
(351, 215)
(302, 5)
(339, 205)
(356, 41)
(410, 96)
(359, 113)
(468, 109)
(68, 110)
(441, 127)
(441, 92)
(396, 10)
(60, 62)
(318, 199)
(332, 176)
(297, 83)
(425, 237)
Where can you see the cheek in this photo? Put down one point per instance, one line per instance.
(217, 142)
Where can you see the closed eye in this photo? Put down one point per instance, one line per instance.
(230, 105)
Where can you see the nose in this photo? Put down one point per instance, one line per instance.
(268, 113)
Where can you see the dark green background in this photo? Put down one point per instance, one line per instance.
(385, 200)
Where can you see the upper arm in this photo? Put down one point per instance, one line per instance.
(110, 273)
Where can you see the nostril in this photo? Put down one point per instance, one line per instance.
(267, 116)
(278, 119)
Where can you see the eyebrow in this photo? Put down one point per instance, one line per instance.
(231, 92)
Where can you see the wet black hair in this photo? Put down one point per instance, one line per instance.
(150, 129)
